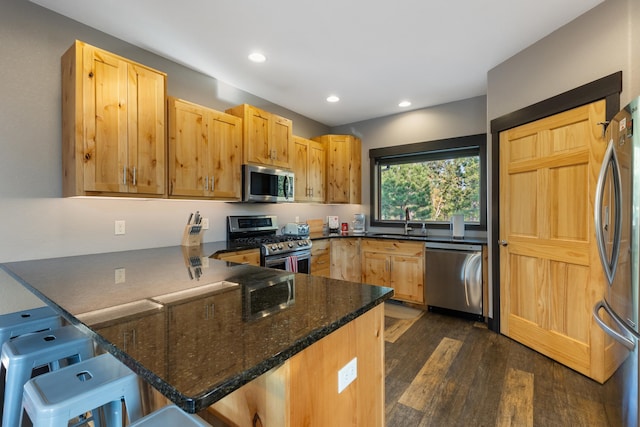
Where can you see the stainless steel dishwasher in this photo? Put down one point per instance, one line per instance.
(453, 277)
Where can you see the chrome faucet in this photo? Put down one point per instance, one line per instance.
(407, 217)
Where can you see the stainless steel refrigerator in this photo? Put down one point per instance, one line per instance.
(617, 226)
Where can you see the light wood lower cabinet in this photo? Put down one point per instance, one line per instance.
(303, 390)
(345, 259)
(396, 264)
(321, 258)
(247, 256)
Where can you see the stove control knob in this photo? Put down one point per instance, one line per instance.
(274, 247)
(299, 242)
(280, 246)
(290, 244)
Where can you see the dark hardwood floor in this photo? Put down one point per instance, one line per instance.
(447, 371)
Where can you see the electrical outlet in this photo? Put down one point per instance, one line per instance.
(347, 374)
(120, 275)
(120, 228)
(297, 219)
(205, 223)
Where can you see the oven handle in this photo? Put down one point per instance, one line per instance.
(273, 259)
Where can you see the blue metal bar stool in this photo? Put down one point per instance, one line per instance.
(28, 321)
(54, 398)
(25, 322)
(170, 416)
(20, 356)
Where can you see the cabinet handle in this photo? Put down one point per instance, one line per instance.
(208, 311)
(135, 180)
(212, 184)
(206, 183)
(124, 175)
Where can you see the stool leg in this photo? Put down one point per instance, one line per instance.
(17, 376)
(113, 414)
(133, 401)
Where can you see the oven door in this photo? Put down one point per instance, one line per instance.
(302, 260)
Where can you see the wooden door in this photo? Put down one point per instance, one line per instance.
(105, 121)
(224, 155)
(376, 268)
(407, 278)
(146, 135)
(301, 168)
(317, 171)
(549, 268)
(281, 141)
(187, 148)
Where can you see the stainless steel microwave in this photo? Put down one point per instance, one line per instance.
(263, 184)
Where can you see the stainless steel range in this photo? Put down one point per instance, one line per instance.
(291, 253)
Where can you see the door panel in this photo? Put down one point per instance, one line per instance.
(550, 271)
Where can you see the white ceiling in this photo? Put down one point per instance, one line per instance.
(370, 53)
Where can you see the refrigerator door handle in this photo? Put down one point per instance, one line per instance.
(625, 341)
(609, 264)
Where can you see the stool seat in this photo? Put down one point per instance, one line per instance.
(28, 321)
(170, 416)
(23, 354)
(54, 398)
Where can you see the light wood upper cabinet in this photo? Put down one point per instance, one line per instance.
(113, 124)
(267, 137)
(396, 264)
(204, 152)
(309, 169)
(344, 168)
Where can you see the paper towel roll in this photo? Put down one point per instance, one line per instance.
(457, 226)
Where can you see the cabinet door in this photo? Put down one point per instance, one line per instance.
(317, 171)
(375, 268)
(146, 134)
(407, 278)
(338, 177)
(105, 121)
(301, 168)
(225, 152)
(281, 142)
(187, 149)
(257, 135)
(345, 259)
(355, 170)
(321, 258)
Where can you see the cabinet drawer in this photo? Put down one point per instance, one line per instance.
(393, 246)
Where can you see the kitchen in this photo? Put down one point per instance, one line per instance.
(31, 185)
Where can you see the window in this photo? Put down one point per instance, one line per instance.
(435, 180)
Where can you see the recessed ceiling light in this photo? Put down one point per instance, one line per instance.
(404, 104)
(332, 98)
(257, 57)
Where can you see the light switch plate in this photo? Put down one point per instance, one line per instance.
(120, 227)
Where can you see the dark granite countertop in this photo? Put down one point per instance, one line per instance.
(186, 323)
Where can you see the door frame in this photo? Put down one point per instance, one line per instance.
(607, 88)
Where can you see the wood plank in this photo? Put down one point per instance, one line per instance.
(427, 383)
(516, 402)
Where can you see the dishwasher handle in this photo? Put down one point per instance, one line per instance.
(464, 247)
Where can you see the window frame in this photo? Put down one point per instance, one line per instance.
(436, 149)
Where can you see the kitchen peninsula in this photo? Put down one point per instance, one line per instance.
(198, 330)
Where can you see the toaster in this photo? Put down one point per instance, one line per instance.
(296, 229)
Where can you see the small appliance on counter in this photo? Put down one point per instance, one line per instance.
(457, 226)
(295, 229)
(334, 224)
(358, 223)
